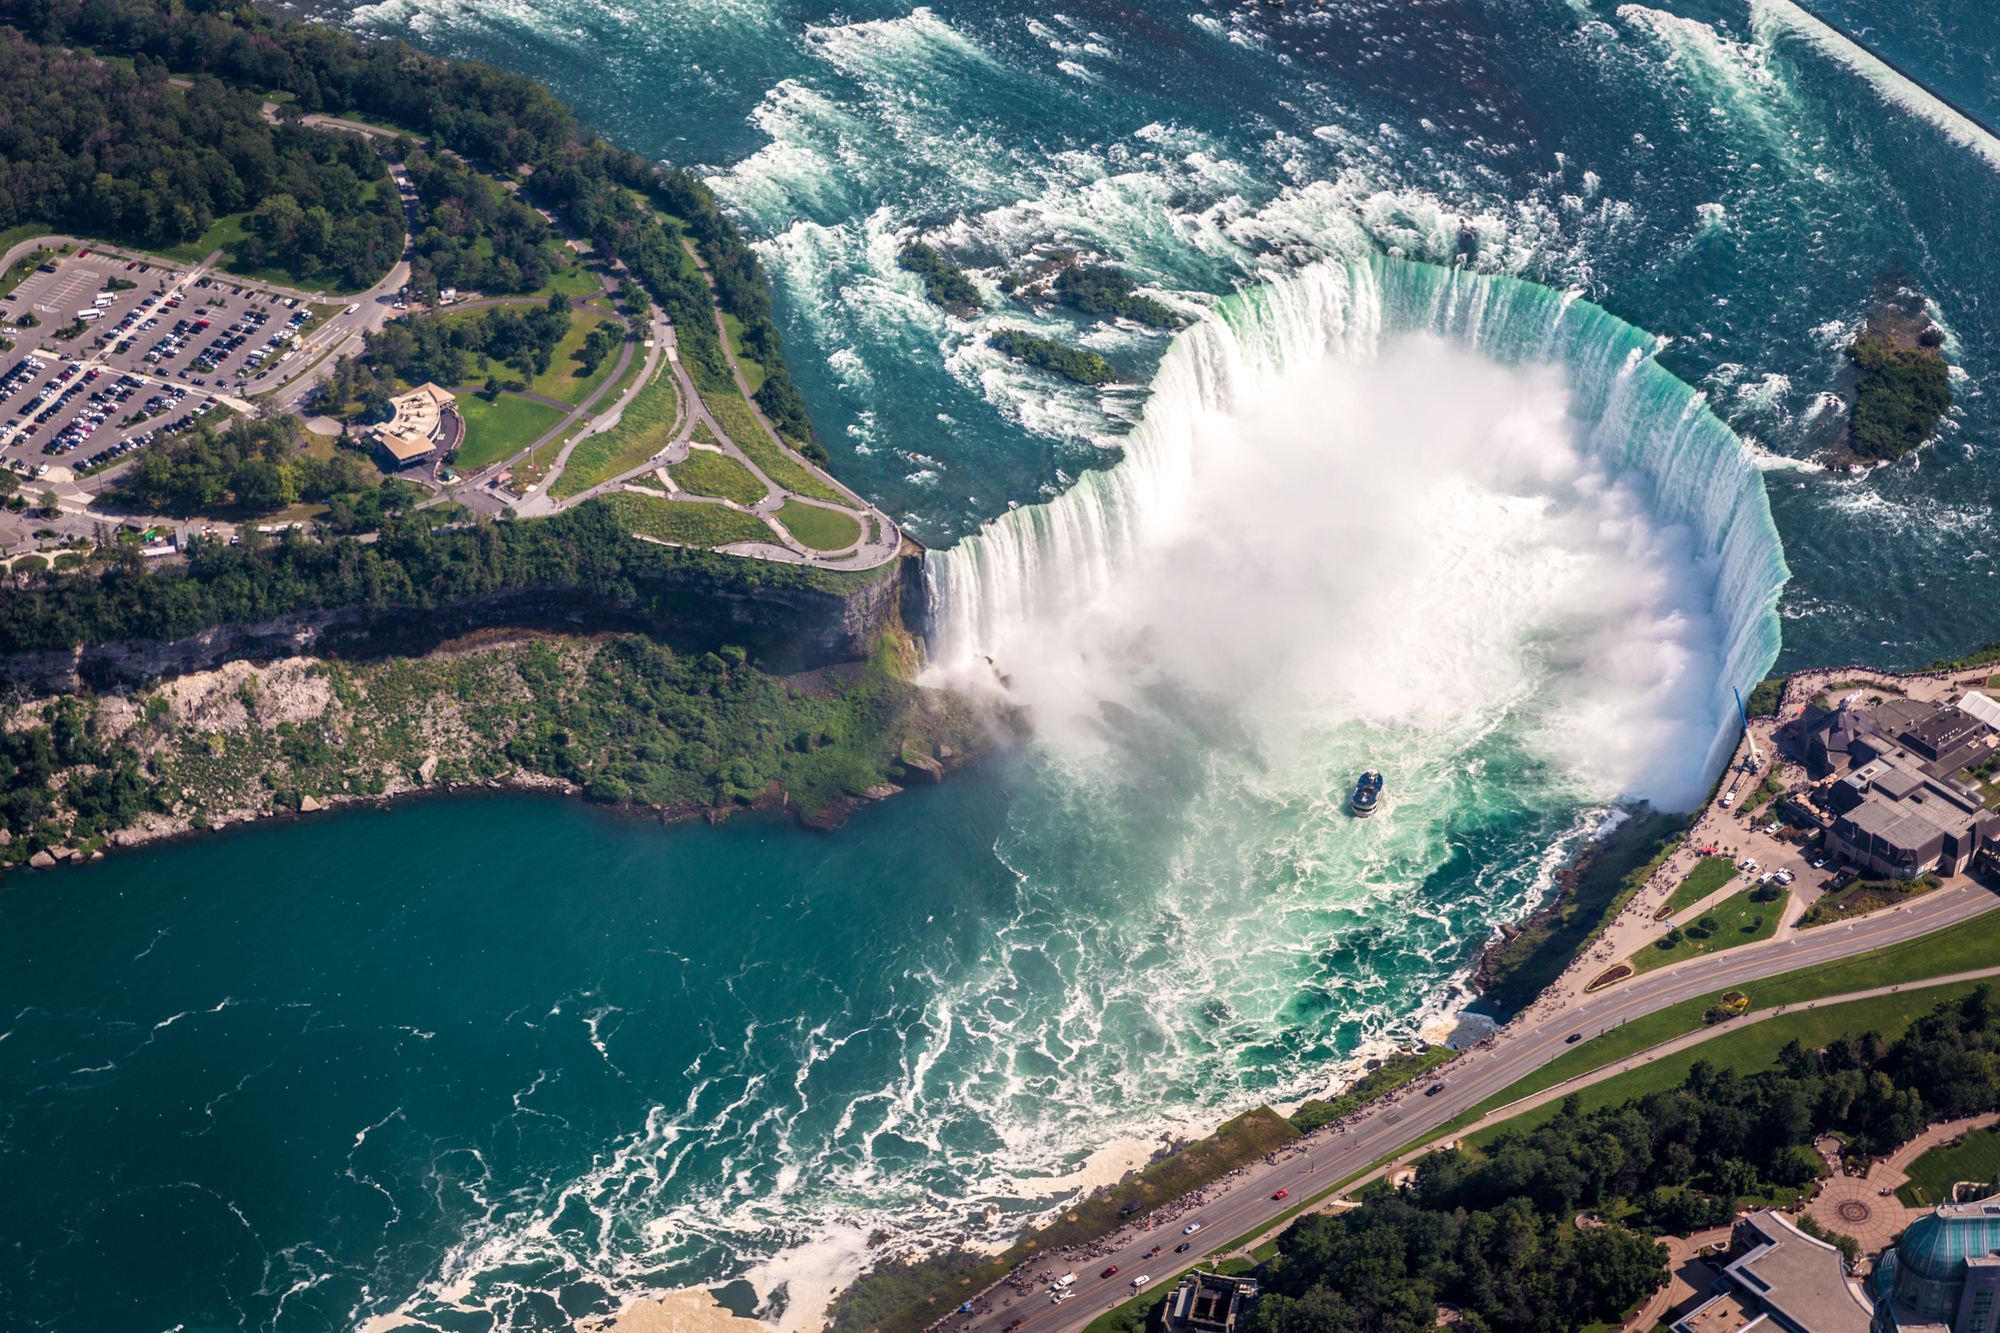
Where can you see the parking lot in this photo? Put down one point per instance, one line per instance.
(159, 347)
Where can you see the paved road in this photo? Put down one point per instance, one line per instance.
(1242, 1203)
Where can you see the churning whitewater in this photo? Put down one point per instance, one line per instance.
(1310, 450)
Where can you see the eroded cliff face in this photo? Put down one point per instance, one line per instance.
(790, 629)
(618, 718)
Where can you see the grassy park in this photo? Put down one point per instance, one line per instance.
(1746, 1050)
(564, 380)
(691, 523)
(1965, 948)
(735, 417)
(1709, 874)
(1734, 921)
(1933, 1174)
(644, 428)
(500, 428)
(705, 473)
(821, 529)
(753, 374)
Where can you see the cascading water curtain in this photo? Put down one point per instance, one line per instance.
(1641, 421)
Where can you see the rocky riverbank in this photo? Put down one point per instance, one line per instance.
(615, 719)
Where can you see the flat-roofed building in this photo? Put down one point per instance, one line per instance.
(424, 427)
(1781, 1279)
(1209, 1303)
(1894, 817)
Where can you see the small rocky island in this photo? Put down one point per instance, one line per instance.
(1902, 385)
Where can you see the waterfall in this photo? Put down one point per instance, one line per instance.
(1637, 418)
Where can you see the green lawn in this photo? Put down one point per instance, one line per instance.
(753, 373)
(705, 473)
(1738, 921)
(501, 428)
(691, 522)
(735, 417)
(578, 282)
(631, 373)
(645, 428)
(1747, 1050)
(1933, 1174)
(1963, 948)
(1710, 874)
(821, 529)
(223, 233)
(561, 380)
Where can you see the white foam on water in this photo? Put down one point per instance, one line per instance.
(1771, 18)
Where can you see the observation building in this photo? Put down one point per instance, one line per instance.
(1945, 1275)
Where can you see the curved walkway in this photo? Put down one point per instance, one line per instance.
(1867, 1208)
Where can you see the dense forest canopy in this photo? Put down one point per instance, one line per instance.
(91, 146)
(257, 466)
(412, 564)
(504, 122)
(444, 349)
(457, 207)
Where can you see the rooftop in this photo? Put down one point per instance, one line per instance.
(1938, 1242)
(1786, 1274)
(415, 428)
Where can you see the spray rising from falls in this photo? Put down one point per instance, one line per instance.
(1642, 463)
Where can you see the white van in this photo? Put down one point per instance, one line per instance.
(103, 301)
(88, 315)
(1066, 1280)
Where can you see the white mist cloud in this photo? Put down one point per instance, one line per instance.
(1390, 561)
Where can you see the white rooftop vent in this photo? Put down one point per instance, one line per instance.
(1984, 708)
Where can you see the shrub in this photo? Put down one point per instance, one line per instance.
(944, 282)
(1045, 354)
(608, 789)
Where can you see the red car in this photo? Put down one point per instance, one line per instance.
(1281, 1194)
(1109, 1271)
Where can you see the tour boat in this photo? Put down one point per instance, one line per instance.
(1367, 792)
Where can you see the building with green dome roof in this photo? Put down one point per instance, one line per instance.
(1945, 1273)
